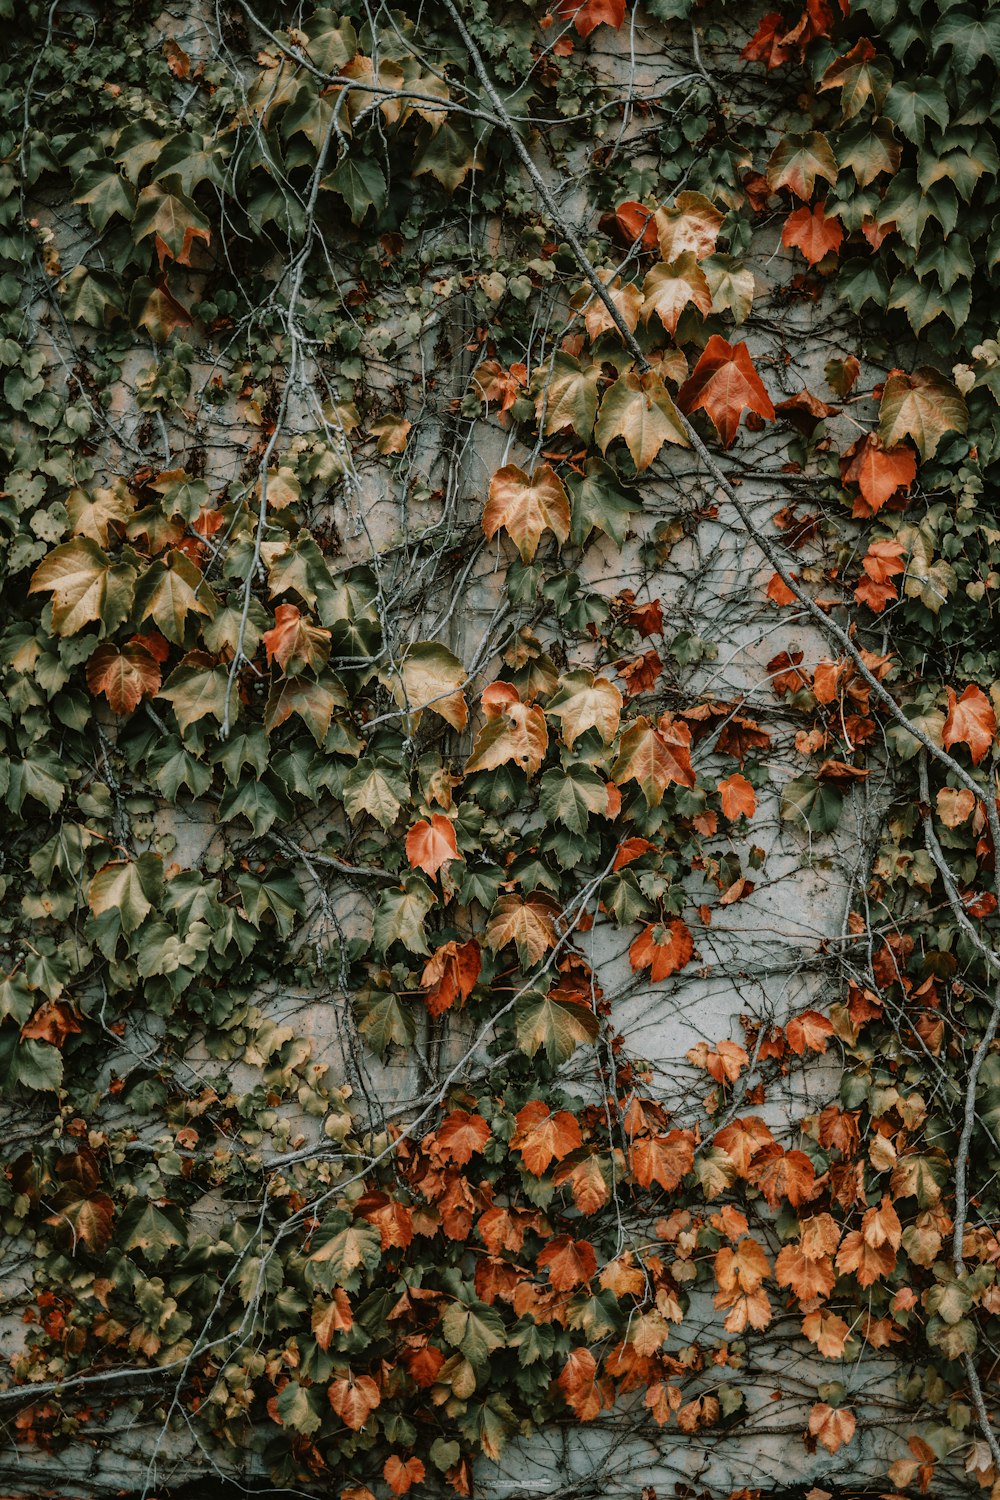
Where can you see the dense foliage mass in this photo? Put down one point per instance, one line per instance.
(422, 313)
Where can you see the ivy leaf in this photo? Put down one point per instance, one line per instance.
(198, 688)
(970, 37)
(155, 308)
(477, 1330)
(813, 805)
(568, 397)
(448, 153)
(528, 922)
(971, 721)
(169, 591)
(430, 845)
(85, 586)
(557, 1025)
(361, 184)
(655, 757)
(297, 1409)
(400, 916)
(639, 409)
(526, 507)
(911, 103)
(669, 289)
(860, 78)
(809, 230)
(692, 223)
(430, 676)
(798, 160)
(153, 1230)
(724, 383)
(568, 797)
(353, 1397)
(340, 1249)
(600, 503)
(294, 643)
(583, 701)
(385, 1022)
(91, 296)
(514, 731)
(377, 787)
(175, 223)
(105, 193)
(129, 887)
(737, 796)
(124, 676)
(314, 702)
(450, 974)
(878, 471)
(663, 948)
(922, 406)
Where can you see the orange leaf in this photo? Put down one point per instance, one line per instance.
(400, 1476)
(784, 1174)
(724, 383)
(587, 15)
(664, 1159)
(809, 1030)
(971, 721)
(543, 1137)
(570, 1262)
(866, 1261)
(724, 1062)
(578, 1383)
(655, 758)
(329, 1318)
(460, 1135)
(807, 1278)
(525, 506)
(431, 845)
(809, 230)
(450, 974)
(587, 1182)
(878, 471)
(738, 797)
(635, 222)
(778, 591)
(828, 1332)
(295, 644)
(767, 45)
(742, 1269)
(833, 1427)
(124, 676)
(663, 948)
(354, 1398)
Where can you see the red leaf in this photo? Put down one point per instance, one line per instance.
(724, 383)
(809, 230)
(809, 1030)
(766, 44)
(400, 1476)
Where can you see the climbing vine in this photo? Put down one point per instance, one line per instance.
(484, 490)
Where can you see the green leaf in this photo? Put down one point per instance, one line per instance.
(298, 1409)
(400, 915)
(448, 153)
(600, 503)
(376, 787)
(911, 103)
(340, 1251)
(387, 1020)
(153, 1230)
(476, 1331)
(91, 297)
(970, 37)
(105, 192)
(570, 796)
(260, 800)
(198, 688)
(812, 805)
(558, 1026)
(361, 184)
(568, 396)
(129, 887)
(174, 221)
(169, 591)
